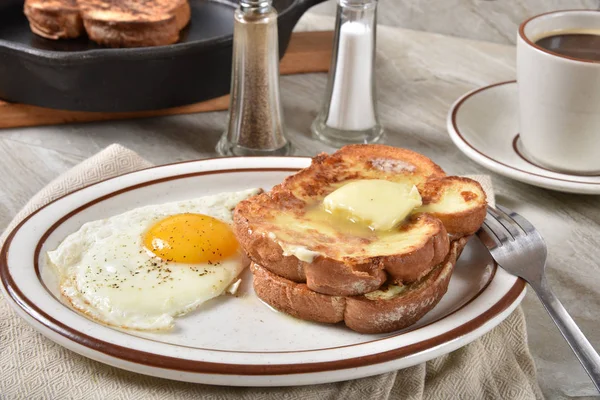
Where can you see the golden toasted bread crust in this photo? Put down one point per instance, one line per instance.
(343, 276)
(326, 276)
(54, 19)
(462, 223)
(342, 266)
(358, 312)
(129, 23)
(132, 34)
(296, 299)
(113, 23)
(369, 161)
(413, 266)
(182, 13)
(380, 316)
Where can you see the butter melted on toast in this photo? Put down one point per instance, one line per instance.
(287, 231)
(291, 213)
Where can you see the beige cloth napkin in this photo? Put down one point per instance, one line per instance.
(496, 366)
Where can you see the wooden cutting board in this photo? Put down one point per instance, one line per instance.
(307, 52)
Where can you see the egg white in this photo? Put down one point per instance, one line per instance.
(106, 273)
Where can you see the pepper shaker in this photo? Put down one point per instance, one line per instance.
(349, 114)
(255, 117)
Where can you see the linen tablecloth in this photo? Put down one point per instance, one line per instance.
(496, 366)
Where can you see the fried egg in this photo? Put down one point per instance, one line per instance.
(142, 268)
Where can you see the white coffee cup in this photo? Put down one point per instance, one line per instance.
(559, 96)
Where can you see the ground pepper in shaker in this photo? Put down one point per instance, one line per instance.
(349, 113)
(255, 116)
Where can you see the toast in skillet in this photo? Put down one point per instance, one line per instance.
(112, 23)
(54, 19)
(134, 23)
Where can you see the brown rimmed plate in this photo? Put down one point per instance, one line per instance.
(235, 341)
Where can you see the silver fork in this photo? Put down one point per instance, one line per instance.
(520, 249)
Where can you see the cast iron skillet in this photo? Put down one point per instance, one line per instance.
(79, 75)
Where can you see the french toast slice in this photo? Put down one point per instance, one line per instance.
(386, 310)
(54, 19)
(280, 232)
(131, 23)
(456, 202)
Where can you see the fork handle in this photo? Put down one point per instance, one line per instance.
(588, 357)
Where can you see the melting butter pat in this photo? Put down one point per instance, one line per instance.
(379, 203)
(391, 292)
(301, 252)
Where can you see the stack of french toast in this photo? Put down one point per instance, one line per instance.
(113, 23)
(368, 235)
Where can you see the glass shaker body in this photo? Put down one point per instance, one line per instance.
(349, 113)
(255, 124)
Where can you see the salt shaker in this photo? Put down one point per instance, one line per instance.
(349, 113)
(255, 116)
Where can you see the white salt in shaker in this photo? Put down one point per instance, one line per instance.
(349, 113)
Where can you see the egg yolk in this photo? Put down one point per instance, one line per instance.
(191, 239)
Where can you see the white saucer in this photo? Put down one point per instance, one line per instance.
(484, 125)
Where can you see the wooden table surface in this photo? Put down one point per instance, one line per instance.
(419, 77)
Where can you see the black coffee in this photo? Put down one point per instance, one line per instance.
(585, 46)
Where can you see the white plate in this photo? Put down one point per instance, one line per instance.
(484, 124)
(236, 341)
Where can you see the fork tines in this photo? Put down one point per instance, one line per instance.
(506, 225)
